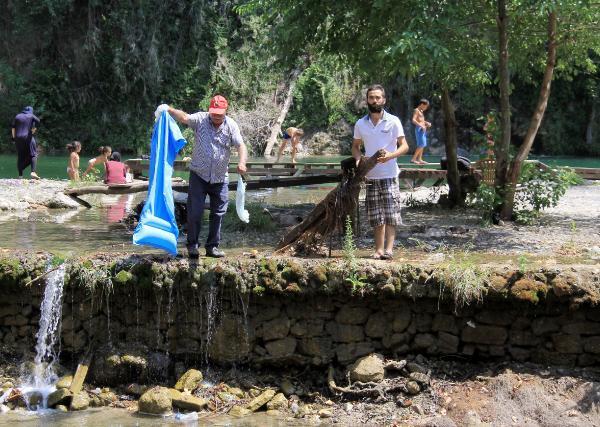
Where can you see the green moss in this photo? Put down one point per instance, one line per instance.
(293, 272)
(268, 266)
(293, 288)
(258, 290)
(11, 271)
(123, 277)
(528, 290)
(319, 274)
(57, 260)
(396, 282)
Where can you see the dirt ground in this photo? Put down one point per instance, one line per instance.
(566, 234)
(508, 394)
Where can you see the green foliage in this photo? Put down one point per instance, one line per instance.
(465, 278)
(484, 200)
(57, 260)
(95, 71)
(324, 94)
(542, 188)
(349, 246)
(188, 149)
(538, 189)
(523, 263)
(351, 266)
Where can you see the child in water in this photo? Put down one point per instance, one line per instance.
(100, 160)
(73, 168)
(290, 134)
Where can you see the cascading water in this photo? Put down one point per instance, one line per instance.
(41, 381)
(49, 332)
(212, 311)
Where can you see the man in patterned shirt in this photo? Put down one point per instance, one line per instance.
(215, 135)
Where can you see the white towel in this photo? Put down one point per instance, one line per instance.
(240, 199)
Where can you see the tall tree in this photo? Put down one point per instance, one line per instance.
(572, 27)
(437, 41)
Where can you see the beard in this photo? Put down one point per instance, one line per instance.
(375, 108)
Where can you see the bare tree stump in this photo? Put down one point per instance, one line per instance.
(330, 214)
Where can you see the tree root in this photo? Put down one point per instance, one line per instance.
(381, 391)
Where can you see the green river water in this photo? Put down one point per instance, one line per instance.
(55, 167)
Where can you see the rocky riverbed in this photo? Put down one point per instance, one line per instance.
(26, 194)
(425, 392)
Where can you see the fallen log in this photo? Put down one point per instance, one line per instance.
(134, 187)
(330, 214)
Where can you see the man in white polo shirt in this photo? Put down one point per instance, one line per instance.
(381, 130)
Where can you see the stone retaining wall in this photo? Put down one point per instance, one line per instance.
(281, 312)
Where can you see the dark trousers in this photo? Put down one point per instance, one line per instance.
(24, 156)
(218, 194)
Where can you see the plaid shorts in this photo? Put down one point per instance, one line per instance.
(383, 202)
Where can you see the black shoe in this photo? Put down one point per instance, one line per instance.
(193, 252)
(214, 253)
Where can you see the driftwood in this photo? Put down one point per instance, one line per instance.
(330, 214)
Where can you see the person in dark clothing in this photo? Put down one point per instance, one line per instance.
(24, 126)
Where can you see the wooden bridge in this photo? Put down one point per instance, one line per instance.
(276, 175)
(272, 175)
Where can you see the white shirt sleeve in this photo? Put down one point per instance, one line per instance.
(357, 134)
(397, 130)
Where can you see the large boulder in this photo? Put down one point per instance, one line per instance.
(189, 381)
(368, 368)
(260, 400)
(156, 401)
(80, 401)
(64, 382)
(238, 411)
(187, 401)
(61, 395)
(278, 402)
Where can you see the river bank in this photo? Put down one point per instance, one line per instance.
(567, 233)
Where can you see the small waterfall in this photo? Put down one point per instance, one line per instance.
(212, 311)
(49, 332)
(169, 304)
(41, 381)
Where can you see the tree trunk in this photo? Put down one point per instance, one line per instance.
(276, 129)
(330, 214)
(534, 124)
(451, 142)
(501, 148)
